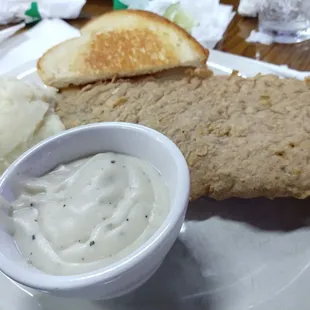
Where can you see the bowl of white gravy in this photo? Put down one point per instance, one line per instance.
(93, 210)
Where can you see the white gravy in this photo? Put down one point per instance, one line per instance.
(89, 213)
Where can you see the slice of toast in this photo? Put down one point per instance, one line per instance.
(120, 44)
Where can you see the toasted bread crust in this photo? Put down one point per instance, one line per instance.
(40, 60)
(115, 46)
(156, 18)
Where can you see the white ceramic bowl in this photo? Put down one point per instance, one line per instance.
(132, 271)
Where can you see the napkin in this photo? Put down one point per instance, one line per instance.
(206, 20)
(31, 44)
(260, 37)
(27, 10)
(8, 32)
(249, 7)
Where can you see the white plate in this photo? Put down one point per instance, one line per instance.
(231, 255)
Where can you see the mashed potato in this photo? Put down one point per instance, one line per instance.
(26, 118)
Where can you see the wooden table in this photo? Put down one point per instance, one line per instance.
(296, 56)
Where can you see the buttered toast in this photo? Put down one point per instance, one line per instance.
(120, 44)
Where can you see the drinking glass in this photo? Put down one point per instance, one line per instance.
(288, 21)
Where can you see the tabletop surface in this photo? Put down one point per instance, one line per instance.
(296, 56)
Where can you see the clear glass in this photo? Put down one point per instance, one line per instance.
(288, 21)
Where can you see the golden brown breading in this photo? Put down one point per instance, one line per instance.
(241, 137)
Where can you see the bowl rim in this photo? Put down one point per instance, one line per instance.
(49, 282)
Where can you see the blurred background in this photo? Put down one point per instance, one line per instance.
(227, 31)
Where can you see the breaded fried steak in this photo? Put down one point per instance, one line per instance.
(241, 137)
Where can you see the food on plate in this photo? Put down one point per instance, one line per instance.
(89, 213)
(26, 117)
(120, 44)
(241, 137)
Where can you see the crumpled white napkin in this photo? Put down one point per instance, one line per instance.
(20, 10)
(249, 7)
(211, 18)
(28, 11)
(260, 37)
(8, 32)
(31, 44)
